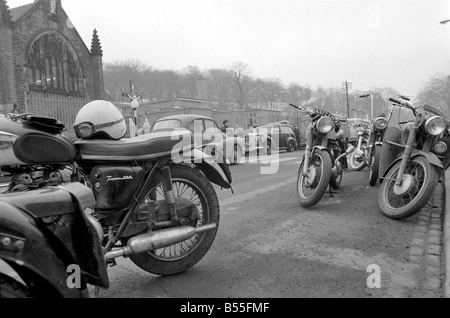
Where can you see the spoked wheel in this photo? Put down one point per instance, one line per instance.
(419, 183)
(312, 185)
(356, 163)
(188, 184)
(375, 166)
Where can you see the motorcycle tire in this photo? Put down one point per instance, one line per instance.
(375, 167)
(428, 185)
(336, 182)
(318, 186)
(355, 165)
(155, 262)
(11, 288)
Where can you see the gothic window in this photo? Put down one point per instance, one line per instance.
(52, 66)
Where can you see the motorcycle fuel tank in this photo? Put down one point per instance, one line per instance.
(114, 186)
(23, 144)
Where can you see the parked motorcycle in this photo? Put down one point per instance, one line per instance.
(413, 159)
(88, 202)
(359, 158)
(325, 158)
(377, 130)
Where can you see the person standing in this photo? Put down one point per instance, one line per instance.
(224, 126)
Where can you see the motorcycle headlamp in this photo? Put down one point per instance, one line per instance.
(359, 130)
(324, 125)
(440, 148)
(86, 130)
(435, 125)
(380, 123)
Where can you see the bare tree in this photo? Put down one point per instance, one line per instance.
(436, 93)
(241, 73)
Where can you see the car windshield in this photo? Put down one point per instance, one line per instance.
(167, 124)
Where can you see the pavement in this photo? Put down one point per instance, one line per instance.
(446, 243)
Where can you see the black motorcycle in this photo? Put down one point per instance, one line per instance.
(325, 157)
(377, 130)
(83, 204)
(414, 157)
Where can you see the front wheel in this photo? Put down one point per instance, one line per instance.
(312, 185)
(357, 160)
(188, 184)
(375, 166)
(419, 182)
(291, 146)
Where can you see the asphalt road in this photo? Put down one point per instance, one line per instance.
(268, 246)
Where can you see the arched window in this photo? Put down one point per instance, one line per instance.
(53, 66)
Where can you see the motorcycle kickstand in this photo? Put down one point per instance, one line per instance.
(331, 191)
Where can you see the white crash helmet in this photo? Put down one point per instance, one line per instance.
(100, 119)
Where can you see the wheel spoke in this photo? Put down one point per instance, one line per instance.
(187, 190)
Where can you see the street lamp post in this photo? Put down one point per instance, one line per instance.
(134, 105)
(346, 86)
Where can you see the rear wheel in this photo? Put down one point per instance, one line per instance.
(336, 182)
(419, 182)
(188, 184)
(291, 146)
(312, 185)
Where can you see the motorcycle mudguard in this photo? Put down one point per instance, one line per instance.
(326, 149)
(41, 258)
(389, 153)
(217, 173)
(431, 158)
(56, 233)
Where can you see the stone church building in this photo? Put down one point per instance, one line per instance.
(45, 67)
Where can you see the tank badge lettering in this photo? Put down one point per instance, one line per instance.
(111, 178)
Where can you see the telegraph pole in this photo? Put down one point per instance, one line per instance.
(347, 86)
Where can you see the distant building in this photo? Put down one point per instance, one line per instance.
(45, 67)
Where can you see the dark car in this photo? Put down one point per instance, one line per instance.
(281, 136)
(207, 134)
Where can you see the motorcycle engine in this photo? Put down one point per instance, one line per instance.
(22, 181)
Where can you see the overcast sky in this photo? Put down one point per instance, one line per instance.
(370, 43)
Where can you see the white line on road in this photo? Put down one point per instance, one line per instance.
(251, 194)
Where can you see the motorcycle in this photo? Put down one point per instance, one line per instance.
(80, 205)
(360, 157)
(377, 130)
(413, 160)
(324, 160)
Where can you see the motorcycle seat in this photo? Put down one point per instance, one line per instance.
(139, 148)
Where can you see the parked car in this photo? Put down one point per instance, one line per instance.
(273, 136)
(231, 146)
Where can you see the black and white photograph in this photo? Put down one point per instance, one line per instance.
(224, 155)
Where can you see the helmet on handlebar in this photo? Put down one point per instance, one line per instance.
(100, 120)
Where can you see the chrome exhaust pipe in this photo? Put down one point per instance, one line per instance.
(350, 149)
(158, 239)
